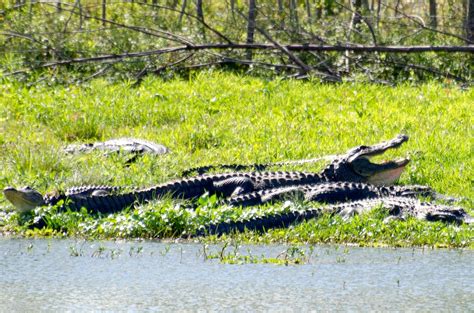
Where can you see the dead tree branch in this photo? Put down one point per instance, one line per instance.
(264, 47)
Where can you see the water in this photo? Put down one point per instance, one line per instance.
(65, 275)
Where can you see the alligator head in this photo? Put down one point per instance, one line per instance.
(24, 199)
(355, 165)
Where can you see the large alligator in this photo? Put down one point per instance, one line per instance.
(344, 198)
(332, 192)
(399, 207)
(353, 166)
(200, 170)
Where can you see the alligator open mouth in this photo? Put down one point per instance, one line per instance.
(385, 173)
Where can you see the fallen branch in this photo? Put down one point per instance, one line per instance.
(300, 48)
(145, 71)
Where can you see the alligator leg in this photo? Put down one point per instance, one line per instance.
(289, 193)
(234, 186)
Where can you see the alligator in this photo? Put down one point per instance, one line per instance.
(353, 166)
(343, 198)
(399, 207)
(332, 192)
(128, 145)
(200, 170)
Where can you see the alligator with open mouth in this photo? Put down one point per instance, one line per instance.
(353, 166)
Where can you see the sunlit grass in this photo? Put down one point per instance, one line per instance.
(222, 118)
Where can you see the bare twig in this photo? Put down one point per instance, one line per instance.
(216, 32)
(362, 18)
(152, 32)
(76, 4)
(98, 73)
(145, 71)
(27, 37)
(426, 69)
(422, 25)
(183, 10)
(266, 65)
(357, 17)
(305, 68)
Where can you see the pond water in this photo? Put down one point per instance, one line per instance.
(66, 275)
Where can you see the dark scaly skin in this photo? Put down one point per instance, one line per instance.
(258, 167)
(222, 184)
(91, 189)
(399, 208)
(200, 170)
(332, 192)
(354, 166)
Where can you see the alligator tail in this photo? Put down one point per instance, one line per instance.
(280, 220)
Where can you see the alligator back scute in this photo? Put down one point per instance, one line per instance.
(335, 193)
(90, 189)
(229, 186)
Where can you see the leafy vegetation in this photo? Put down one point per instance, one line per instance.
(214, 117)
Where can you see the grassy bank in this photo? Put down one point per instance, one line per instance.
(222, 118)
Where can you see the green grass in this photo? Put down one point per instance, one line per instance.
(224, 118)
